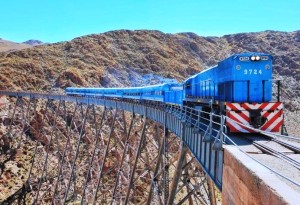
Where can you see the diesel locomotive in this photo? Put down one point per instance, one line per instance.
(239, 87)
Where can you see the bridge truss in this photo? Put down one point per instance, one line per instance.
(59, 149)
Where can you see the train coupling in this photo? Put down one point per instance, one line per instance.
(256, 118)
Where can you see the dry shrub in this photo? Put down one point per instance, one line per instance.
(70, 77)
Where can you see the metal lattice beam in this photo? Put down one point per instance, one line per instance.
(85, 153)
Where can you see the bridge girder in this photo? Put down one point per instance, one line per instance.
(74, 152)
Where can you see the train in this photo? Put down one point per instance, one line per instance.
(239, 87)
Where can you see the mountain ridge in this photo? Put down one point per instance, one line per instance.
(33, 42)
(112, 58)
(9, 46)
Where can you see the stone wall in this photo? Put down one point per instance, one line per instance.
(247, 182)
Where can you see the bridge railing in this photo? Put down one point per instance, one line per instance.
(211, 125)
(203, 133)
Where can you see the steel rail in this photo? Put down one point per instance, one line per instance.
(275, 153)
(287, 145)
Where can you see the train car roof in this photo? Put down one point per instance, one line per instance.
(195, 75)
(128, 88)
(246, 54)
(230, 58)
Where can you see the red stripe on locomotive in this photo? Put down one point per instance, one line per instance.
(271, 113)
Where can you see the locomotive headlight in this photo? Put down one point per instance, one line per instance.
(257, 58)
(252, 58)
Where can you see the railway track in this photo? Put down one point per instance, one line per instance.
(262, 143)
(296, 149)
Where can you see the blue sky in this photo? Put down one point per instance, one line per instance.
(60, 20)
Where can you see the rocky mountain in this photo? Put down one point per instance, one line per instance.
(9, 46)
(33, 42)
(124, 58)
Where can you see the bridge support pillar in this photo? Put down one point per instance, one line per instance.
(177, 173)
(211, 189)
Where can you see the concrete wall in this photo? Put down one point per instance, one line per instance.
(247, 182)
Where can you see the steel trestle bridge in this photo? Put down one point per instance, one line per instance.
(106, 151)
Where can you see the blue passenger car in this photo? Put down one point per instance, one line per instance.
(174, 95)
(160, 93)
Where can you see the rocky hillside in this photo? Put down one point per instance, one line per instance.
(125, 58)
